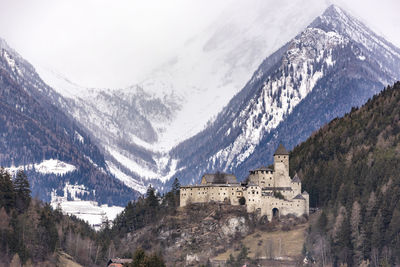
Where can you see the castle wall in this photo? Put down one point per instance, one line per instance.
(259, 193)
(285, 207)
(262, 178)
(296, 187)
(253, 197)
(208, 193)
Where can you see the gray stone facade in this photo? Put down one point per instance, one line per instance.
(268, 192)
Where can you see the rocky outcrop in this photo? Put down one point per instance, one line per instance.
(195, 234)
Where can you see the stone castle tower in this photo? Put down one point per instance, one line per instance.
(270, 192)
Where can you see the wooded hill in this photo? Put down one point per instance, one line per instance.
(350, 169)
(33, 234)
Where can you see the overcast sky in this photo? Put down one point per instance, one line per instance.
(103, 43)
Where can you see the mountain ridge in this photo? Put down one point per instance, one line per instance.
(363, 76)
(226, 53)
(35, 131)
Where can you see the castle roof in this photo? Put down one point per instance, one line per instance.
(299, 197)
(262, 168)
(220, 178)
(281, 150)
(296, 179)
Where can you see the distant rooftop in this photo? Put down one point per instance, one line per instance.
(296, 179)
(299, 197)
(281, 150)
(262, 168)
(220, 178)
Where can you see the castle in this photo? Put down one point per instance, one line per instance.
(269, 192)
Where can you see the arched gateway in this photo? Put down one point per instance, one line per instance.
(275, 213)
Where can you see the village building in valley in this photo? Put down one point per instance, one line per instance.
(269, 192)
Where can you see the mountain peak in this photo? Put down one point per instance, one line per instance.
(336, 19)
(333, 11)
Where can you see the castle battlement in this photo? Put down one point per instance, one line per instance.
(270, 192)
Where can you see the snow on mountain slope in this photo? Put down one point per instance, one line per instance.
(333, 65)
(145, 121)
(304, 63)
(215, 64)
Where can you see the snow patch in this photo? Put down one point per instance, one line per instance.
(79, 137)
(54, 166)
(51, 166)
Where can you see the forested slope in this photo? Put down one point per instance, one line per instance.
(350, 168)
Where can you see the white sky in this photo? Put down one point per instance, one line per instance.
(103, 43)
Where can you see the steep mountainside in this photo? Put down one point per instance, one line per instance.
(350, 168)
(137, 126)
(39, 137)
(333, 65)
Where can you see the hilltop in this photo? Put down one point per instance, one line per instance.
(212, 232)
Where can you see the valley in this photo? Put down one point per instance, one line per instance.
(188, 166)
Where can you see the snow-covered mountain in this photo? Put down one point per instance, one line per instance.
(49, 145)
(137, 126)
(334, 64)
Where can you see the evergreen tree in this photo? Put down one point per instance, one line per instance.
(176, 187)
(151, 199)
(140, 259)
(47, 231)
(7, 196)
(22, 191)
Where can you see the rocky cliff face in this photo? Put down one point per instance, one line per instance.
(202, 232)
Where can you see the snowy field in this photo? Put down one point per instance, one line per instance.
(89, 211)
